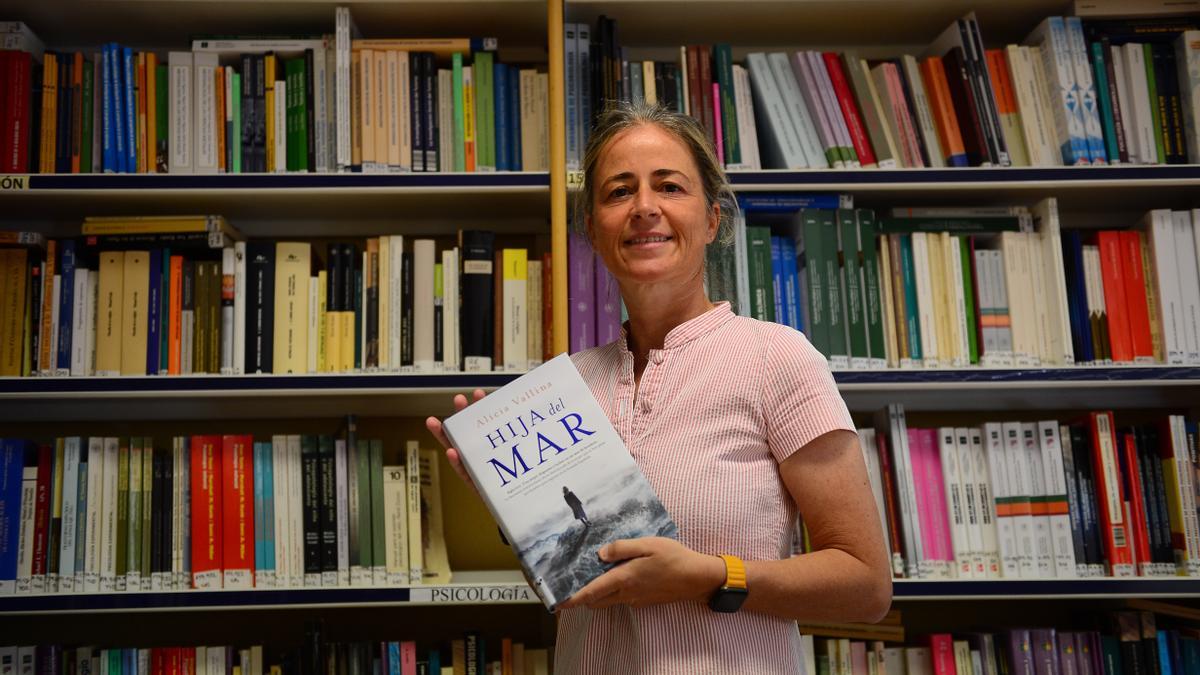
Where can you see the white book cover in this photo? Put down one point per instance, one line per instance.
(424, 258)
(1013, 274)
(1124, 103)
(925, 316)
(341, 483)
(1046, 103)
(1006, 524)
(27, 660)
(1191, 520)
(870, 450)
(316, 320)
(1048, 253)
(408, 160)
(1036, 130)
(108, 517)
(956, 505)
(395, 524)
(72, 447)
(971, 498)
(1143, 120)
(181, 109)
(1020, 489)
(450, 355)
(1050, 37)
(391, 108)
(1085, 90)
(416, 545)
(804, 122)
(295, 511)
(279, 508)
(93, 296)
(1187, 63)
(239, 308)
(95, 506)
(1056, 492)
(890, 422)
(342, 85)
(514, 319)
(79, 325)
(829, 99)
(747, 129)
(1160, 241)
(1039, 290)
(556, 517)
(781, 145)
(1189, 283)
(321, 82)
(395, 310)
(204, 115)
(805, 84)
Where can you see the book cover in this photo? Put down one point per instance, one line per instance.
(541, 439)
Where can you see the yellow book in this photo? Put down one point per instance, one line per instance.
(13, 276)
(346, 339)
(379, 101)
(135, 318)
(952, 305)
(49, 113)
(292, 272)
(159, 225)
(442, 48)
(469, 117)
(355, 109)
(366, 107)
(108, 312)
(937, 289)
(327, 320)
(516, 272)
(385, 299)
(269, 77)
(1156, 337)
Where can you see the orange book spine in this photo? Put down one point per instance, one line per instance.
(78, 109)
(1135, 295)
(1113, 279)
(1002, 92)
(237, 510)
(943, 108)
(175, 320)
(47, 351)
(1138, 523)
(49, 113)
(206, 511)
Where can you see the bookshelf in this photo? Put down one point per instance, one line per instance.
(536, 204)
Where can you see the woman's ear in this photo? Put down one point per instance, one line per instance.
(714, 222)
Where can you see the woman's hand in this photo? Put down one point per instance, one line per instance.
(435, 427)
(654, 570)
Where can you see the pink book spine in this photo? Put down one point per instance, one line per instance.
(941, 652)
(920, 462)
(941, 512)
(408, 658)
(716, 93)
(904, 121)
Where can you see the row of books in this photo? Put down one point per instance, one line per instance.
(1075, 93)
(471, 653)
(929, 287)
(272, 105)
(187, 295)
(114, 514)
(1040, 499)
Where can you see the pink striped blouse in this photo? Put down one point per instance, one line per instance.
(724, 401)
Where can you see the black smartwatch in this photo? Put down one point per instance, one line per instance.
(729, 597)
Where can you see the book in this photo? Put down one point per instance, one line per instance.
(549, 417)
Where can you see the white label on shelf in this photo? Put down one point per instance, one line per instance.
(14, 183)
(457, 595)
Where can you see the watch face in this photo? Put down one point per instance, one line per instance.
(727, 600)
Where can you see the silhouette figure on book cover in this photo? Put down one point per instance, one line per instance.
(576, 506)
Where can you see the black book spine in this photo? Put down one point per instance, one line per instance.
(260, 306)
(260, 111)
(959, 81)
(1174, 110)
(372, 310)
(986, 97)
(1146, 481)
(429, 110)
(1160, 494)
(328, 505)
(475, 314)
(1071, 475)
(1081, 448)
(310, 483)
(333, 290)
(349, 258)
(1114, 103)
(310, 112)
(156, 515)
(406, 319)
(416, 112)
(249, 74)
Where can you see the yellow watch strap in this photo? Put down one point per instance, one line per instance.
(735, 571)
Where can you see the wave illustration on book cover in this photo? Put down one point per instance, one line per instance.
(556, 476)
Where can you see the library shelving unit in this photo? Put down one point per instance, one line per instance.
(487, 592)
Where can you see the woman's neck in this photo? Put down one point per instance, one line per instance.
(653, 315)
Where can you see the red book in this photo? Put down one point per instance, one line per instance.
(1110, 500)
(158, 661)
(1113, 278)
(889, 505)
(1138, 523)
(187, 660)
(1134, 275)
(206, 511)
(175, 319)
(174, 661)
(704, 58)
(941, 652)
(237, 498)
(41, 515)
(858, 134)
(718, 127)
(78, 109)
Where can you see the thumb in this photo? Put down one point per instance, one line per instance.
(623, 549)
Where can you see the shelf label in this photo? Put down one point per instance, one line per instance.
(457, 595)
(12, 183)
(574, 180)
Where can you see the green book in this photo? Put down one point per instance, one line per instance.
(485, 112)
(723, 55)
(147, 508)
(1104, 100)
(161, 117)
(459, 138)
(964, 247)
(122, 507)
(133, 537)
(912, 319)
(839, 352)
(868, 236)
(852, 287)
(363, 468)
(378, 538)
(809, 252)
(236, 141)
(296, 115)
(86, 131)
(762, 291)
(1156, 104)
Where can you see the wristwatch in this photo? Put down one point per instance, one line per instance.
(730, 596)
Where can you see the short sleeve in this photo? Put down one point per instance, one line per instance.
(800, 399)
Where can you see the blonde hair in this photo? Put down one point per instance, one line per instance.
(618, 117)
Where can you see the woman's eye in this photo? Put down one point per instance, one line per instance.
(671, 187)
(619, 192)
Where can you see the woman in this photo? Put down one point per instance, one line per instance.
(736, 423)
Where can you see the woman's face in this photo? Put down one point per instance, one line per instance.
(650, 222)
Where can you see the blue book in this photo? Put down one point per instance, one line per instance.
(66, 302)
(393, 659)
(108, 163)
(435, 660)
(1077, 306)
(514, 118)
(164, 314)
(911, 320)
(12, 466)
(154, 313)
(791, 284)
(118, 106)
(500, 105)
(788, 202)
(781, 315)
(268, 521)
(1164, 653)
(131, 160)
(81, 514)
(260, 554)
